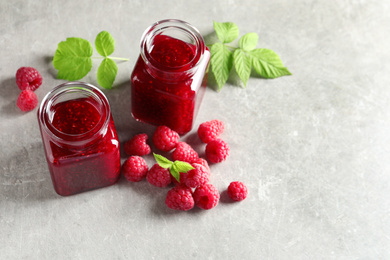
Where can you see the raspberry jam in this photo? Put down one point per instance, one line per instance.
(80, 141)
(169, 79)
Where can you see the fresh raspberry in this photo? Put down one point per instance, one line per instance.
(206, 196)
(217, 151)
(203, 162)
(237, 191)
(185, 153)
(198, 176)
(135, 168)
(27, 100)
(165, 139)
(210, 130)
(180, 198)
(137, 145)
(28, 78)
(158, 176)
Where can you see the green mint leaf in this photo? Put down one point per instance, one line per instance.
(267, 63)
(175, 173)
(248, 42)
(162, 161)
(221, 63)
(72, 58)
(243, 66)
(105, 43)
(226, 32)
(183, 166)
(106, 73)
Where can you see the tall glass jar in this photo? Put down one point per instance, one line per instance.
(79, 137)
(169, 79)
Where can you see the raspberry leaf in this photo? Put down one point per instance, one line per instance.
(248, 42)
(226, 32)
(72, 58)
(267, 63)
(104, 44)
(175, 173)
(183, 166)
(106, 73)
(162, 161)
(221, 63)
(242, 64)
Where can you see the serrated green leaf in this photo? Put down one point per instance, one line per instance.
(248, 42)
(183, 166)
(72, 58)
(267, 63)
(221, 63)
(226, 32)
(105, 43)
(162, 161)
(242, 64)
(174, 172)
(106, 73)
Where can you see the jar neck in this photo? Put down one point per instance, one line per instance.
(73, 91)
(181, 32)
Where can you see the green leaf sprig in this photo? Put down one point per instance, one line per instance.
(175, 168)
(265, 62)
(73, 59)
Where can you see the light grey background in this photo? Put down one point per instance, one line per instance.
(313, 148)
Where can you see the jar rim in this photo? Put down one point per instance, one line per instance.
(162, 25)
(73, 139)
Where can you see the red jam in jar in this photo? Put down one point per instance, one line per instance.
(79, 137)
(169, 79)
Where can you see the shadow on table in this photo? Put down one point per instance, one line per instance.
(9, 95)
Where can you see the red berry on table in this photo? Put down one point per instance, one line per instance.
(210, 130)
(28, 78)
(198, 176)
(27, 100)
(135, 169)
(202, 162)
(206, 196)
(185, 153)
(158, 176)
(217, 151)
(180, 198)
(237, 191)
(165, 139)
(137, 145)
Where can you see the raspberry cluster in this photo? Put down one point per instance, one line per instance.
(28, 80)
(192, 187)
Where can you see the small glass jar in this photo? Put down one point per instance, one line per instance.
(169, 79)
(79, 137)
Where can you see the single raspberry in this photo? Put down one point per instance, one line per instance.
(158, 176)
(137, 145)
(28, 78)
(165, 139)
(210, 130)
(198, 176)
(206, 196)
(237, 191)
(135, 169)
(203, 162)
(185, 153)
(217, 151)
(180, 198)
(27, 100)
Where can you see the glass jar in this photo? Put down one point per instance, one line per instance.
(169, 79)
(79, 137)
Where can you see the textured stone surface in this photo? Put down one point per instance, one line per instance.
(313, 148)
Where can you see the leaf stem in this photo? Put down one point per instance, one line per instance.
(116, 58)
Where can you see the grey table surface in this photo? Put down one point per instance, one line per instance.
(313, 148)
